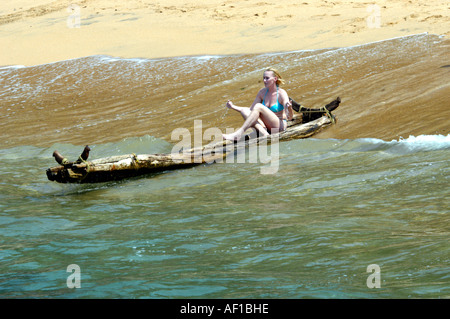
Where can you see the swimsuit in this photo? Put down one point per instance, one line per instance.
(277, 107)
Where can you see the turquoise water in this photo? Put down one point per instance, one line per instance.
(227, 231)
(332, 208)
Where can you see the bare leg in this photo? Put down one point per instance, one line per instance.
(239, 109)
(258, 112)
(245, 113)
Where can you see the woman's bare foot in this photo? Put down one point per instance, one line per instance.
(230, 105)
(236, 136)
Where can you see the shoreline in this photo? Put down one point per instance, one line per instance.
(44, 31)
(143, 29)
(200, 56)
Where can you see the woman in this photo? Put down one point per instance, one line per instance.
(270, 110)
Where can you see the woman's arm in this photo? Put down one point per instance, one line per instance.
(287, 104)
(258, 98)
(290, 111)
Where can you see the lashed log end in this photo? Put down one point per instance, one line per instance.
(59, 158)
(84, 156)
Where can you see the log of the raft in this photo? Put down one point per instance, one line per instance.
(295, 130)
(126, 166)
(310, 114)
(60, 159)
(120, 167)
(131, 165)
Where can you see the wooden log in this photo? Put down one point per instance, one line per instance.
(131, 165)
(310, 114)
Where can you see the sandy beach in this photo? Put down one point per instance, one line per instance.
(44, 31)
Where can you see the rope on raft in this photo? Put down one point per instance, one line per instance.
(321, 110)
(81, 160)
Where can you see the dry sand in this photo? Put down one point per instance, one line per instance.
(42, 31)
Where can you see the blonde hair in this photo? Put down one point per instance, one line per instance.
(280, 80)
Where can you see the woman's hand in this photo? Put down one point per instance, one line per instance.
(230, 104)
(289, 111)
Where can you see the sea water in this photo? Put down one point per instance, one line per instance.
(222, 230)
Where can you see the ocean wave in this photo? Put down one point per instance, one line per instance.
(440, 141)
(412, 143)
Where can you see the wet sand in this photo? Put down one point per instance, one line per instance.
(411, 100)
(408, 100)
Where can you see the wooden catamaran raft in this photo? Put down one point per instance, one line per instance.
(304, 124)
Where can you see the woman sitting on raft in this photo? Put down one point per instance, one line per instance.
(270, 110)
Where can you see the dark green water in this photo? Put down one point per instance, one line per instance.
(227, 231)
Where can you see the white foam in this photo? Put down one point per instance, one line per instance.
(208, 57)
(426, 141)
(12, 67)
